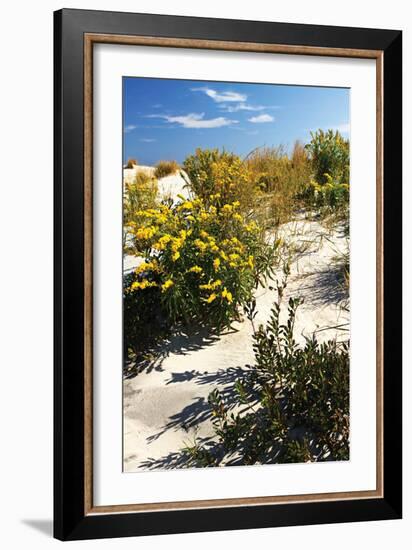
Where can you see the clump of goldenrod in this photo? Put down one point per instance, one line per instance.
(205, 260)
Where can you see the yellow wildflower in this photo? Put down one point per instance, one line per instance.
(228, 295)
(176, 256)
(177, 244)
(145, 232)
(141, 285)
(200, 245)
(162, 242)
(227, 208)
(195, 269)
(146, 266)
(211, 285)
(211, 298)
(251, 262)
(216, 264)
(167, 284)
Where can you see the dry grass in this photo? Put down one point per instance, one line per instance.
(280, 177)
(139, 195)
(131, 163)
(166, 168)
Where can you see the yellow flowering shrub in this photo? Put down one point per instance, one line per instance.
(203, 259)
(220, 178)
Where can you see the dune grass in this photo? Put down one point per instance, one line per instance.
(131, 163)
(166, 168)
(280, 177)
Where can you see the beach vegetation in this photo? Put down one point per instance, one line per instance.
(131, 163)
(291, 405)
(206, 259)
(166, 168)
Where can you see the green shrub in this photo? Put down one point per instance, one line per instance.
(330, 194)
(131, 163)
(219, 177)
(330, 201)
(206, 260)
(329, 154)
(291, 406)
(166, 168)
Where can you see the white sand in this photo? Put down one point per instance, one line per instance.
(130, 173)
(166, 405)
(169, 186)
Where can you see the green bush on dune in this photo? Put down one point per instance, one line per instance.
(292, 405)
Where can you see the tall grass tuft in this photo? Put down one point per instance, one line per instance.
(131, 163)
(166, 168)
(139, 195)
(280, 177)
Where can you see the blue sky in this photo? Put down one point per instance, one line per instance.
(167, 119)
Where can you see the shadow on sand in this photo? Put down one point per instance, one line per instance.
(324, 287)
(198, 411)
(318, 289)
(181, 342)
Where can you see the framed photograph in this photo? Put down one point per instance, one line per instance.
(227, 274)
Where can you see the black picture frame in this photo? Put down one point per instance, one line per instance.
(71, 522)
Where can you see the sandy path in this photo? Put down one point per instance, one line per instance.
(166, 405)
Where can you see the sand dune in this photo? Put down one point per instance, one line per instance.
(166, 405)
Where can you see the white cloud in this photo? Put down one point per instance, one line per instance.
(243, 107)
(221, 97)
(147, 140)
(197, 120)
(129, 128)
(247, 107)
(261, 118)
